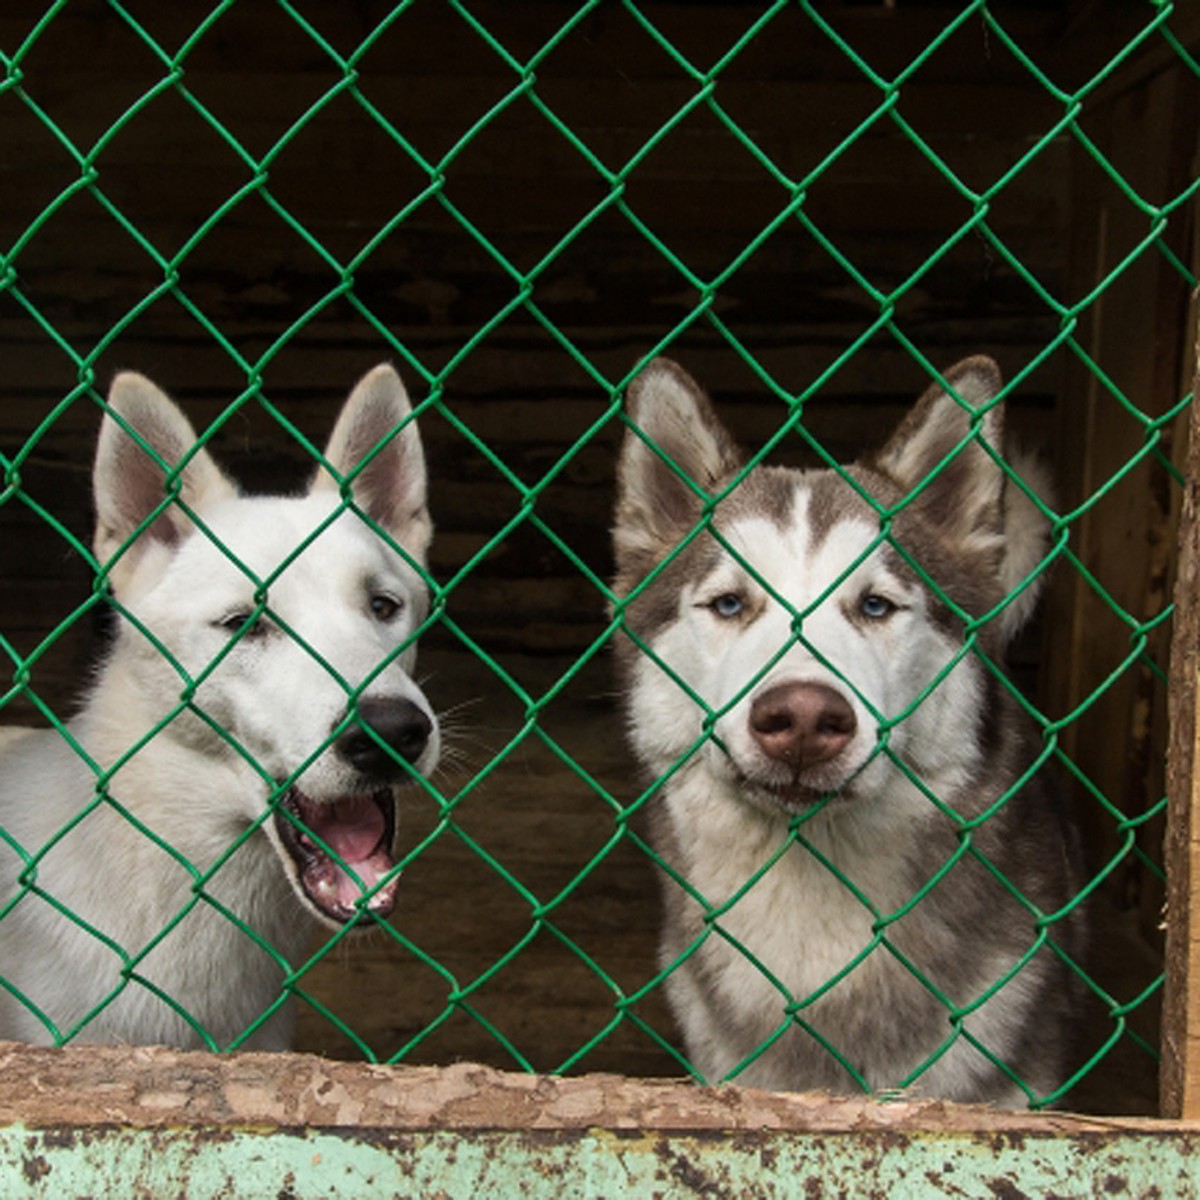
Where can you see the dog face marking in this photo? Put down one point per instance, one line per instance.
(797, 585)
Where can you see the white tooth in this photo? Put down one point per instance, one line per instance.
(379, 900)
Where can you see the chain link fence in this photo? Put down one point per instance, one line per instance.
(80, 161)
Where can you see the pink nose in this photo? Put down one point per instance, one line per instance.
(801, 724)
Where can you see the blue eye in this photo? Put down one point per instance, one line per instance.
(727, 605)
(876, 607)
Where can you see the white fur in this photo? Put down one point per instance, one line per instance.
(205, 793)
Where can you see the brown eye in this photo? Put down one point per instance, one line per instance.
(385, 608)
(245, 624)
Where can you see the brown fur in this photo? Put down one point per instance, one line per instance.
(951, 516)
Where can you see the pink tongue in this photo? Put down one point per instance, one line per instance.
(353, 830)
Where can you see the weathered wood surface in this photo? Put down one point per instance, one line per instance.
(1127, 506)
(1180, 1081)
(433, 286)
(154, 1087)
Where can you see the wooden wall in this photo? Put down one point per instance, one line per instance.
(119, 276)
(433, 286)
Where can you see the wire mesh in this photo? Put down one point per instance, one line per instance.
(343, 78)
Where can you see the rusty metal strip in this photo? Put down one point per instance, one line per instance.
(217, 1163)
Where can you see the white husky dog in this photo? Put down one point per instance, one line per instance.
(230, 779)
(857, 893)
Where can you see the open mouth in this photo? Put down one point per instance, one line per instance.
(342, 849)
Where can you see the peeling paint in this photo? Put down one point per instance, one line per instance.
(220, 1163)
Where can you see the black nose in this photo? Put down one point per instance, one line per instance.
(399, 724)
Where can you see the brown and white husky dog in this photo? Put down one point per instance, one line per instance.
(866, 865)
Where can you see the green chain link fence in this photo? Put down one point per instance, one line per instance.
(522, 286)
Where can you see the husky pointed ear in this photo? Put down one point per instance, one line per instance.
(1026, 540)
(980, 513)
(376, 429)
(964, 495)
(129, 478)
(681, 440)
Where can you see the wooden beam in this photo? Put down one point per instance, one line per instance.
(117, 1121)
(1180, 1078)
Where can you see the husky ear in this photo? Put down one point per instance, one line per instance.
(129, 478)
(655, 502)
(376, 425)
(971, 500)
(964, 495)
(1026, 541)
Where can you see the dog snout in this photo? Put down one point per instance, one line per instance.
(399, 724)
(802, 724)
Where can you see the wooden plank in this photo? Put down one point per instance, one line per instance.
(519, 364)
(110, 1121)
(422, 41)
(155, 1088)
(1180, 1077)
(1135, 331)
